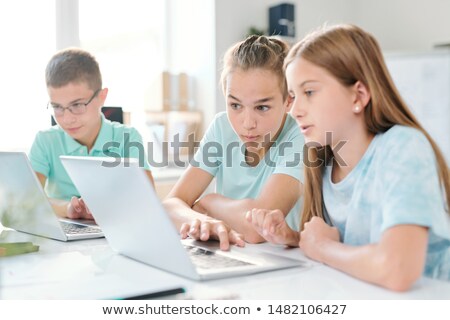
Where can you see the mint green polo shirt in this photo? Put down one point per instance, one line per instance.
(222, 154)
(114, 139)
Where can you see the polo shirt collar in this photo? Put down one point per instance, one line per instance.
(105, 135)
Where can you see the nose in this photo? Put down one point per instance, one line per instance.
(249, 120)
(67, 117)
(297, 110)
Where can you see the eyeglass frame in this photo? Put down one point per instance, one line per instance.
(51, 108)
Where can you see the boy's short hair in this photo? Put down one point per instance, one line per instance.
(73, 65)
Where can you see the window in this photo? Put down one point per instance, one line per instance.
(127, 38)
(28, 42)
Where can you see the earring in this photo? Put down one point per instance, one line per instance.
(357, 108)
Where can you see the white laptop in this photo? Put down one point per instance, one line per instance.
(126, 207)
(25, 207)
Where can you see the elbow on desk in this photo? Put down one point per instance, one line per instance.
(397, 274)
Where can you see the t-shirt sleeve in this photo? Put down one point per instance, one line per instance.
(410, 182)
(210, 152)
(289, 160)
(136, 148)
(38, 155)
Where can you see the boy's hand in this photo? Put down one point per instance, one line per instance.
(77, 209)
(212, 229)
(272, 226)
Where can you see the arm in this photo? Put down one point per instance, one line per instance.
(395, 262)
(73, 209)
(280, 192)
(179, 204)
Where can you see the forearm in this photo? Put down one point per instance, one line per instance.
(369, 263)
(59, 207)
(180, 212)
(233, 212)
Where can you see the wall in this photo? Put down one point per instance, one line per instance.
(406, 25)
(191, 48)
(399, 25)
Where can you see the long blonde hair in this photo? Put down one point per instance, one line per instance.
(350, 54)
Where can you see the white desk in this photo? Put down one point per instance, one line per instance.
(89, 269)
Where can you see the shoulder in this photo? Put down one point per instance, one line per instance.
(291, 131)
(55, 132)
(120, 129)
(402, 138)
(220, 128)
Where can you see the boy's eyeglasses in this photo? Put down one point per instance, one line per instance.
(75, 108)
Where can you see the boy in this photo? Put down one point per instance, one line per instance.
(74, 86)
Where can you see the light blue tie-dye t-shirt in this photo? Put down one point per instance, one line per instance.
(396, 182)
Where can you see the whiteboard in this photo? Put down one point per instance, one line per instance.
(423, 80)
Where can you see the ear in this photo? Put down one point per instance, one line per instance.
(102, 95)
(362, 97)
(288, 103)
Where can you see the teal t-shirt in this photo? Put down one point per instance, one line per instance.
(222, 154)
(395, 182)
(114, 139)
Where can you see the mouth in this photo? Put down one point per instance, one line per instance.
(305, 128)
(250, 138)
(73, 130)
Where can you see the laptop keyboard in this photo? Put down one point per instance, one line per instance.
(73, 228)
(207, 259)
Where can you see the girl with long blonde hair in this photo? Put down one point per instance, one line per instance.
(376, 184)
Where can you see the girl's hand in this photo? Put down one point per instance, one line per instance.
(212, 229)
(316, 234)
(272, 226)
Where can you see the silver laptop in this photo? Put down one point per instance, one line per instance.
(126, 207)
(25, 207)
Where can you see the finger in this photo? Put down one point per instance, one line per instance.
(184, 230)
(237, 238)
(248, 216)
(88, 216)
(194, 231)
(273, 220)
(205, 230)
(75, 204)
(259, 216)
(83, 204)
(222, 234)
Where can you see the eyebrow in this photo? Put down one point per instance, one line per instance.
(263, 100)
(306, 82)
(70, 103)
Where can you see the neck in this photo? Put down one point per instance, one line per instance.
(89, 141)
(347, 156)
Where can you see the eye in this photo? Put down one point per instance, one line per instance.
(262, 108)
(57, 108)
(235, 106)
(77, 105)
(309, 93)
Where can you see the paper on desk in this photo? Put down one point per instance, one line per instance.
(56, 267)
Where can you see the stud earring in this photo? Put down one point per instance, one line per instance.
(357, 108)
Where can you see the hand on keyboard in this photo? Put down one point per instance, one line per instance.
(212, 229)
(77, 209)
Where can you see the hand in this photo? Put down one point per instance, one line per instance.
(272, 226)
(77, 209)
(315, 234)
(214, 229)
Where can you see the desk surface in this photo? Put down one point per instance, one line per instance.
(89, 269)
